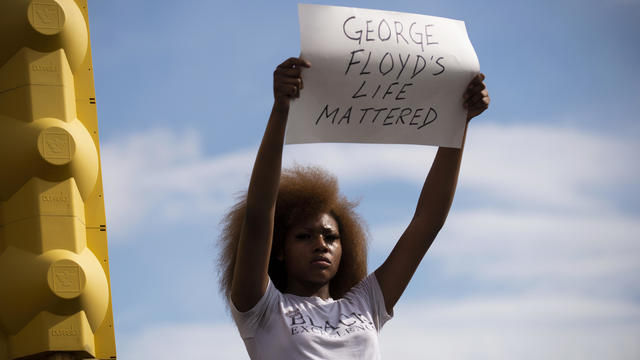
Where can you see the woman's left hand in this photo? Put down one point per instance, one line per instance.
(476, 97)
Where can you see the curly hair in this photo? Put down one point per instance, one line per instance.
(303, 192)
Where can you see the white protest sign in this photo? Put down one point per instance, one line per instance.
(381, 77)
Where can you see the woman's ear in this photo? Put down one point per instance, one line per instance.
(280, 254)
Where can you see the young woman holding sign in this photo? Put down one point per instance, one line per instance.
(294, 259)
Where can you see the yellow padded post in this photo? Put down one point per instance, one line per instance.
(54, 270)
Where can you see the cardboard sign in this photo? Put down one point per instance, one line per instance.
(381, 77)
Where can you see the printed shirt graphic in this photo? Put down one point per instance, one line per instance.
(286, 326)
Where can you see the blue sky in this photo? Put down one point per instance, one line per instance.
(540, 254)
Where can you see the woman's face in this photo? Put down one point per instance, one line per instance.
(312, 250)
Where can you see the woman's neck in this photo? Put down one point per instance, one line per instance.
(308, 289)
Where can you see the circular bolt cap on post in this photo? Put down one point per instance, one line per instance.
(66, 279)
(56, 146)
(46, 16)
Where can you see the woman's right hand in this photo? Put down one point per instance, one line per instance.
(287, 81)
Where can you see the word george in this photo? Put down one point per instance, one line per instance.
(384, 32)
(405, 116)
(388, 64)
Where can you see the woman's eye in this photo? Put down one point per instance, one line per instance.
(302, 236)
(331, 238)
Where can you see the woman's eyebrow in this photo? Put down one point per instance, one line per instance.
(324, 229)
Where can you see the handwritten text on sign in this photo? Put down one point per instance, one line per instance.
(381, 77)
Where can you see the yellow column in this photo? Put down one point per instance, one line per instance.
(54, 276)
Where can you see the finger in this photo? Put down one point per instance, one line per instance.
(285, 84)
(286, 90)
(469, 93)
(477, 87)
(293, 61)
(288, 81)
(477, 96)
(473, 89)
(288, 63)
(478, 78)
(481, 104)
(292, 72)
(475, 81)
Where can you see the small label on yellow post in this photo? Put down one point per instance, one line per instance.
(66, 279)
(46, 17)
(65, 332)
(56, 146)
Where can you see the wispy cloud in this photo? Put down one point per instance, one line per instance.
(593, 255)
(168, 175)
(514, 327)
(191, 341)
(544, 166)
(554, 167)
(165, 176)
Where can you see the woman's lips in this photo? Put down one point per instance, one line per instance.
(321, 262)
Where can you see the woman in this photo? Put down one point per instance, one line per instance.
(294, 261)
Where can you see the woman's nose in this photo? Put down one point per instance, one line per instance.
(320, 244)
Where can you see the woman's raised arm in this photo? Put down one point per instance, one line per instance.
(250, 277)
(432, 209)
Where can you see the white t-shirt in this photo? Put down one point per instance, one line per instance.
(286, 326)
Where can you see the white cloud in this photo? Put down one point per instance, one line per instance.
(164, 176)
(514, 327)
(184, 341)
(167, 176)
(590, 254)
(523, 165)
(550, 166)
(559, 249)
